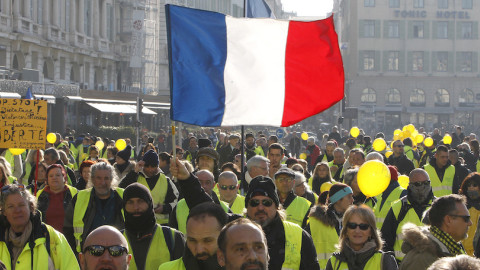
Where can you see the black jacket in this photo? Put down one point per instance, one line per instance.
(461, 172)
(403, 164)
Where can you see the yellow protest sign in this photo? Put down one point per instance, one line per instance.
(23, 123)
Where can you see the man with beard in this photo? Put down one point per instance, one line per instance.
(163, 190)
(203, 228)
(149, 243)
(250, 145)
(242, 245)
(409, 209)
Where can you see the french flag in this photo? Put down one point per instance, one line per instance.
(227, 71)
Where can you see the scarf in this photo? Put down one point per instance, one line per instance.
(356, 260)
(453, 247)
(18, 242)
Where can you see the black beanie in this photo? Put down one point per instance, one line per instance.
(136, 190)
(151, 158)
(202, 142)
(125, 153)
(146, 221)
(262, 185)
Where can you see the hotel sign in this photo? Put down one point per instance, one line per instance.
(439, 14)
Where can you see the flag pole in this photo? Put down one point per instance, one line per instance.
(242, 160)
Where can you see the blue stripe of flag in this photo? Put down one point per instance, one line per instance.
(198, 52)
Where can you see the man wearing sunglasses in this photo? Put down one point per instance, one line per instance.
(449, 223)
(105, 248)
(399, 159)
(409, 209)
(164, 192)
(228, 188)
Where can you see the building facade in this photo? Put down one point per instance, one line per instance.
(411, 61)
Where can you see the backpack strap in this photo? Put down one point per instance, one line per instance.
(168, 233)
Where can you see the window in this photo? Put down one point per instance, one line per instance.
(393, 29)
(417, 61)
(443, 4)
(393, 96)
(442, 30)
(467, 4)
(442, 98)
(369, 3)
(369, 28)
(393, 57)
(368, 96)
(441, 63)
(368, 60)
(418, 29)
(417, 97)
(394, 3)
(467, 30)
(418, 4)
(464, 61)
(466, 96)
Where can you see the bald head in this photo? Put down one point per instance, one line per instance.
(418, 175)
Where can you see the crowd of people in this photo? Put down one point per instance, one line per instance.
(294, 203)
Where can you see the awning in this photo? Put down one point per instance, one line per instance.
(119, 108)
(48, 98)
(9, 95)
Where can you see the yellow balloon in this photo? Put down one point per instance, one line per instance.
(397, 132)
(303, 156)
(325, 187)
(428, 142)
(414, 134)
(419, 138)
(379, 144)
(120, 144)
(403, 180)
(411, 128)
(304, 136)
(391, 144)
(16, 151)
(100, 145)
(447, 139)
(397, 137)
(388, 154)
(404, 128)
(406, 134)
(51, 137)
(354, 131)
(373, 178)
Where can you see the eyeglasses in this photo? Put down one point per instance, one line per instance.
(264, 202)
(97, 250)
(419, 184)
(473, 185)
(465, 218)
(362, 226)
(225, 187)
(284, 179)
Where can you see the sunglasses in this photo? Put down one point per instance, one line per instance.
(362, 226)
(225, 187)
(419, 184)
(97, 250)
(265, 202)
(465, 218)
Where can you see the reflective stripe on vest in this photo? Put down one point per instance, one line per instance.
(157, 253)
(297, 210)
(410, 217)
(182, 214)
(441, 188)
(324, 239)
(173, 265)
(83, 198)
(293, 245)
(478, 166)
(380, 214)
(374, 263)
(238, 205)
(158, 194)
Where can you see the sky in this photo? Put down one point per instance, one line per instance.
(308, 7)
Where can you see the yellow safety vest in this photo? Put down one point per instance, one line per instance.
(441, 188)
(81, 155)
(325, 238)
(381, 213)
(259, 151)
(182, 214)
(72, 190)
(468, 243)
(478, 166)
(60, 253)
(374, 263)
(173, 265)
(28, 170)
(83, 198)
(158, 252)
(238, 205)
(409, 153)
(330, 164)
(293, 246)
(410, 217)
(158, 194)
(297, 210)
